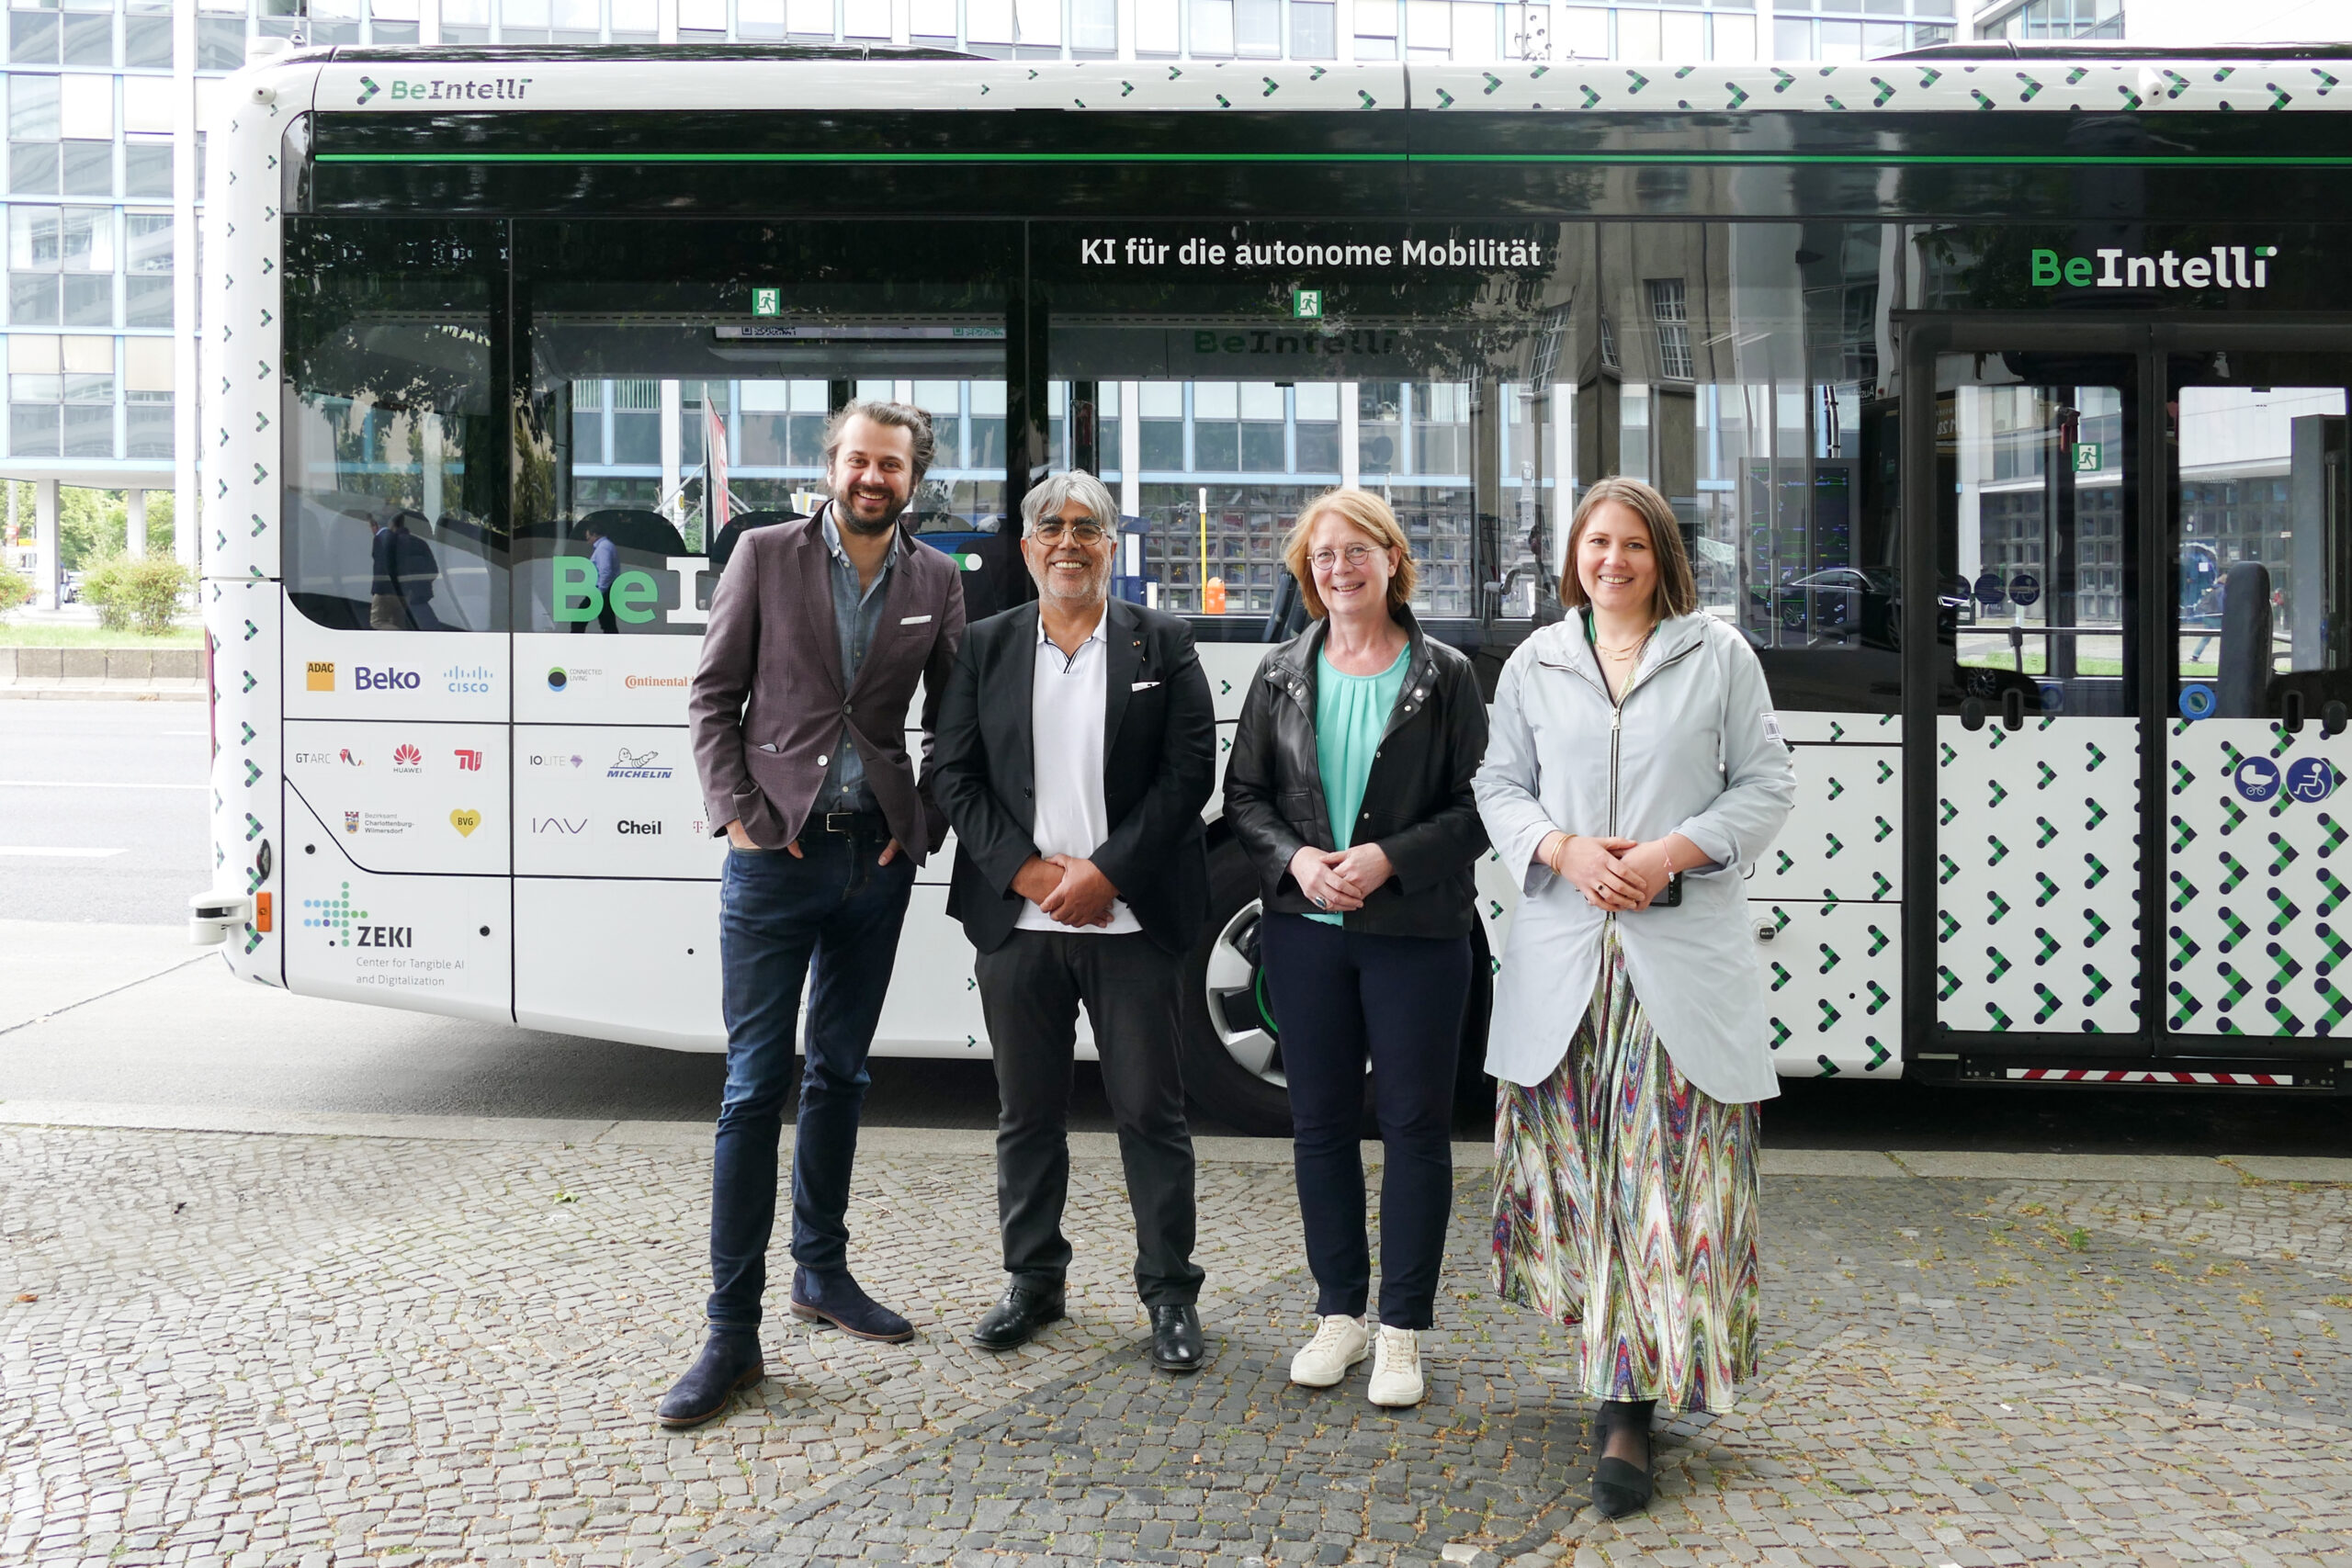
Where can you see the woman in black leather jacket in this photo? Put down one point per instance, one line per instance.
(1349, 787)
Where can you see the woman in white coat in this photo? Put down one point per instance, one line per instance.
(1634, 770)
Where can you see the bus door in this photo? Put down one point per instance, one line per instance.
(2028, 864)
(2255, 823)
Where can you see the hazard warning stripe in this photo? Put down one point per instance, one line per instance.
(2090, 1075)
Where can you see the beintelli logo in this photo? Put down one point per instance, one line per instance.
(2224, 266)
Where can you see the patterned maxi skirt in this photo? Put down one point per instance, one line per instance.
(1625, 1207)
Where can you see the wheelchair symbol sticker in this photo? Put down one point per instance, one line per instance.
(2311, 778)
(2257, 779)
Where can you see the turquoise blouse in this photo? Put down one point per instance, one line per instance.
(1351, 715)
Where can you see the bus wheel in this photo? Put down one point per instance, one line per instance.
(1233, 1063)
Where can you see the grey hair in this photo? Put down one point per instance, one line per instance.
(1059, 489)
(905, 416)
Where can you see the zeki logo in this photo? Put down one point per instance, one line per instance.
(2224, 266)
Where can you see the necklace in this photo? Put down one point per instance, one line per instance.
(1622, 654)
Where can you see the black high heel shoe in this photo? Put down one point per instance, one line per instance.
(1619, 1487)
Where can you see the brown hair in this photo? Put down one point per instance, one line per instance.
(1676, 593)
(903, 416)
(1366, 511)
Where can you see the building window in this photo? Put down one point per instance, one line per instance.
(465, 21)
(1314, 31)
(2045, 20)
(220, 36)
(1375, 25)
(1094, 28)
(1670, 310)
(1258, 29)
(147, 41)
(1211, 29)
(147, 270)
(147, 398)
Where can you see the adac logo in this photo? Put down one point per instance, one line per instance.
(321, 674)
(368, 88)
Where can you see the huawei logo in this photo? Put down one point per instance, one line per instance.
(406, 756)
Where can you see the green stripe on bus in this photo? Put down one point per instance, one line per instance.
(1896, 159)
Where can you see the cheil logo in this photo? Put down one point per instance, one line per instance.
(2224, 266)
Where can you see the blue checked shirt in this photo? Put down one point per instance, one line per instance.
(856, 618)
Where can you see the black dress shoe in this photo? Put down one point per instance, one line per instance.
(728, 1361)
(1018, 1315)
(1176, 1342)
(836, 1299)
(1619, 1487)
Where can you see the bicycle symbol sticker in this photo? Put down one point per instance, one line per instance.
(2311, 778)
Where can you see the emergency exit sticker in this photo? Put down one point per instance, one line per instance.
(767, 301)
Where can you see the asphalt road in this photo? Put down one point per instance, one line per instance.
(102, 811)
(100, 1001)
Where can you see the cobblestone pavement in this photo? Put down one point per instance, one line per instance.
(298, 1350)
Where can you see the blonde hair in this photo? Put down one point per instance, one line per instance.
(1369, 516)
(1676, 593)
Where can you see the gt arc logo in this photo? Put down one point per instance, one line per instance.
(368, 88)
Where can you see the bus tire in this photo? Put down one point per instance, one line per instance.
(1231, 1053)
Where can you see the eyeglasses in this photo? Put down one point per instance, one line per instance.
(1085, 530)
(1324, 560)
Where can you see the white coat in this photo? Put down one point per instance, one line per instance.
(1695, 749)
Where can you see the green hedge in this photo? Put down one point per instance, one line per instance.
(140, 595)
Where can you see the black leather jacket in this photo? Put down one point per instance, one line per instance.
(1417, 806)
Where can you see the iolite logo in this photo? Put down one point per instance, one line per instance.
(368, 88)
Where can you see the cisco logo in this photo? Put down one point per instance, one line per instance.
(467, 677)
(366, 680)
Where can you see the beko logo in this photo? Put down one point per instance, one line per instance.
(366, 680)
(627, 827)
(2224, 267)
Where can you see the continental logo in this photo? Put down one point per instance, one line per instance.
(638, 683)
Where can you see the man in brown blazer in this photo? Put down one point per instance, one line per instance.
(818, 631)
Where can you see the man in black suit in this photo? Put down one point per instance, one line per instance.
(1075, 790)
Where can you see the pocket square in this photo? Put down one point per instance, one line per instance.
(769, 745)
(1143, 686)
(912, 620)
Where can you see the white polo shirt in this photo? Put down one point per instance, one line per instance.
(1066, 711)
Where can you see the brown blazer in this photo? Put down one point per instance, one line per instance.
(767, 704)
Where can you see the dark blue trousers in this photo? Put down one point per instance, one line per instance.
(1342, 999)
(834, 910)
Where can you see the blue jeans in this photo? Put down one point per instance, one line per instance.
(775, 914)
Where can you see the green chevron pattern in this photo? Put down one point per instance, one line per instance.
(2293, 882)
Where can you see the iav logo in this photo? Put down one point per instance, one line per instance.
(2224, 266)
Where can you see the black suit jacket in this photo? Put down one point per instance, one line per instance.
(1158, 762)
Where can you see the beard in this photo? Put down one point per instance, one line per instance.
(845, 512)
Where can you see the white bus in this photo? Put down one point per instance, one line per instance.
(2039, 354)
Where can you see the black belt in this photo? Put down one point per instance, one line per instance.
(849, 824)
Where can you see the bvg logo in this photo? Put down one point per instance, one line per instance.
(321, 674)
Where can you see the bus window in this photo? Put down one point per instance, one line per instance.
(2262, 542)
(394, 511)
(2035, 544)
(1237, 373)
(1748, 372)
(676, 400)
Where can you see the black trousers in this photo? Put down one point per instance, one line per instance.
(1030, 989)
(1345, 998)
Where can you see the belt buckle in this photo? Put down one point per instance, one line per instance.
(842, 822)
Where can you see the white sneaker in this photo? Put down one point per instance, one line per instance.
(1397, 1369)
(1339, 1343)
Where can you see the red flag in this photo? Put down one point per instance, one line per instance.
(716, 507)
